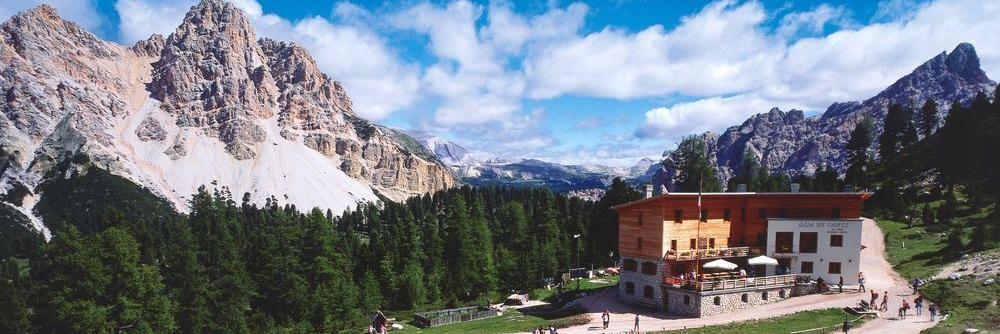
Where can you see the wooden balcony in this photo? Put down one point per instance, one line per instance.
(710, 253)
(740, 283)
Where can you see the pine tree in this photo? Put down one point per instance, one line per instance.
(892, 131)
(15, 317)
(929, 118)
(858, 158)
(214, 222)
(371, 295)
(695, 172)
(185, 279)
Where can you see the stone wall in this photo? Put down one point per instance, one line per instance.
(693, 304)
(640, 281)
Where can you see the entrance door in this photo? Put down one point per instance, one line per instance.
(666, 301)
(784, 266)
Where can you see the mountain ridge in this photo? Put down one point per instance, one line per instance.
(211, 103)
(791, 143)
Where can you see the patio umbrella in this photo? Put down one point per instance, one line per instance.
(762, 260)
(720, 264)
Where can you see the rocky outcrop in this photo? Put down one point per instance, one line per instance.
(789, 142)
(210, 103)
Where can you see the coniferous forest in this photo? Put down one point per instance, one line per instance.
(233, 267)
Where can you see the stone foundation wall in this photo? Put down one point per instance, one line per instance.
(693, 304)
(641, 281)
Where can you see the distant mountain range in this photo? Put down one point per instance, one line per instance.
(791, 143)
(784, 141)
(477, 168)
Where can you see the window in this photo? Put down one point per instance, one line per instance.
(807, 242)
(744, 298)
(638, 243)
(743, 214)
(629, 265)
(783, 242)
(704, 215)
(687, 300)
(678, 216)
(647, 292)
(781, 293)
(836, 240)
(761, 213)
(649, 268)
(711, 242)
(726, 215)
(630, 288)
(673, 245)
(694, 243)
(834, 268)
(835, 213)
(717, 301)
(783, 213)
(807, 267)
(763, 295)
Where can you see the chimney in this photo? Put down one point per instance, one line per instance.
(649, 190)
(742, 187)
(795, 187)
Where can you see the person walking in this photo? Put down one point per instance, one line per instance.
(840, 284)
(933, 310)
(636, 323)
(916, 284)
(885, 301)
(871, 304)
(861, 281)
(905, 308)
(606, 318)
(919, 305)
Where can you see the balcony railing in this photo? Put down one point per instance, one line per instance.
(711, 253)
(740, 283)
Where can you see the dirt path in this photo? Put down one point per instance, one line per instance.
(873, 263)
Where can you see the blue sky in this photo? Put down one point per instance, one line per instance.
(603, 82)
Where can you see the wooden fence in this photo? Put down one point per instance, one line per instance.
(450, 316)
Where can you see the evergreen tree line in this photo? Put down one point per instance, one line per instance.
(695, 171)
(922, 158)
(231, 267)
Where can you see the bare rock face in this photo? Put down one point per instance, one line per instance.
(150, 129)
(788, 142)
(210, 103)
(150, 47)
(212, 74)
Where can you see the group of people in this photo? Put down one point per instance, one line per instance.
(542, 330)
(918, 305)
(606, 320)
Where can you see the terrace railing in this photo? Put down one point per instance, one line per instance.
(710, 253)
(739, 283)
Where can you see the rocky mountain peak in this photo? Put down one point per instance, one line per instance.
(964, 62)
(213, 74)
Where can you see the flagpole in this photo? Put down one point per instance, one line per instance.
(697, 240)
